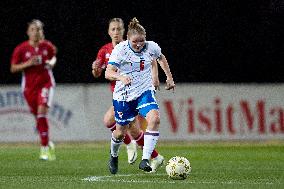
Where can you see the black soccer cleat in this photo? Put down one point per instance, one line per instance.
(145, 166)
(113, 164)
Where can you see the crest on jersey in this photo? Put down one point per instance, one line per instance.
(107, 55)
(45, 52)
(28, 54)
(120, 114)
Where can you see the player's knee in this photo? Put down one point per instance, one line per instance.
(134, 132)
(120, 135)
(154, 120)
(108, 122)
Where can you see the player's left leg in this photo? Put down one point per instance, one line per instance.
(150, 139)
(47, 151)
(141, 123)
(157, 160)
(148, 108)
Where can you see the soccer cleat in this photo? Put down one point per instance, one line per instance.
(145, 166)
(51, 154)
(157, 162)
(113, 164)
(132, 152)
(44, 151)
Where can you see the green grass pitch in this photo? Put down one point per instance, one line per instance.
(84, 165)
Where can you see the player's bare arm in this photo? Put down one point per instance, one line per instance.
(155, 75)
(51, 63)
(170, 84)
(112, 74)
(22, 66)
(96, 69)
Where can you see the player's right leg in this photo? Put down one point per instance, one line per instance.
(131, 147)
(125, 113)
(109, 121)
(38, 105)
(117, 138)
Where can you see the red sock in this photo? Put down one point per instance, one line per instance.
(111, 127)
(42, 127)
(154, 154)
(140, 142)
(127, 139)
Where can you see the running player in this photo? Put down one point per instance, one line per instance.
(35, 58)
(130, 66)
(116, 31)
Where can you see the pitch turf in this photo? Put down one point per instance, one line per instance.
(84, 165)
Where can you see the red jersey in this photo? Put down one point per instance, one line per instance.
(103, 56)
(40, 75)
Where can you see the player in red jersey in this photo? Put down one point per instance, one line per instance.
(116, 31)
(35, 58)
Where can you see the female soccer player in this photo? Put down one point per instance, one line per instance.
(130, 66)
(116, 31)
(35, 58)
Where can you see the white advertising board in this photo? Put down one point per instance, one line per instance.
(192, 112)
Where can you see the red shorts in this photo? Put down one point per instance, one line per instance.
(41, 96)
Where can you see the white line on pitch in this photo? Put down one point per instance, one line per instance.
(110, 178)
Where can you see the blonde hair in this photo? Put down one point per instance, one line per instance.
(134, 27)
(37, 22)
(116, 20)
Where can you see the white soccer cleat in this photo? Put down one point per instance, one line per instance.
(132, 152)
(47, 153)
(44, 153)
(157, 162)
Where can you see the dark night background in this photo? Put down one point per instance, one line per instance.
(212, 41)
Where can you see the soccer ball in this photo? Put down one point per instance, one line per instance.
(178, 168)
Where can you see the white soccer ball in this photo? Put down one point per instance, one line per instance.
(178, 168)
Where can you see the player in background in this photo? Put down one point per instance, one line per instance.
(116, 31)
(130, 66)
(35, 58)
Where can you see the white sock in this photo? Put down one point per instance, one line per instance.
(150, 141)
(114, 146)
(44, 148)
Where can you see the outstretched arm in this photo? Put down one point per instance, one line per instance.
(170, 84)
